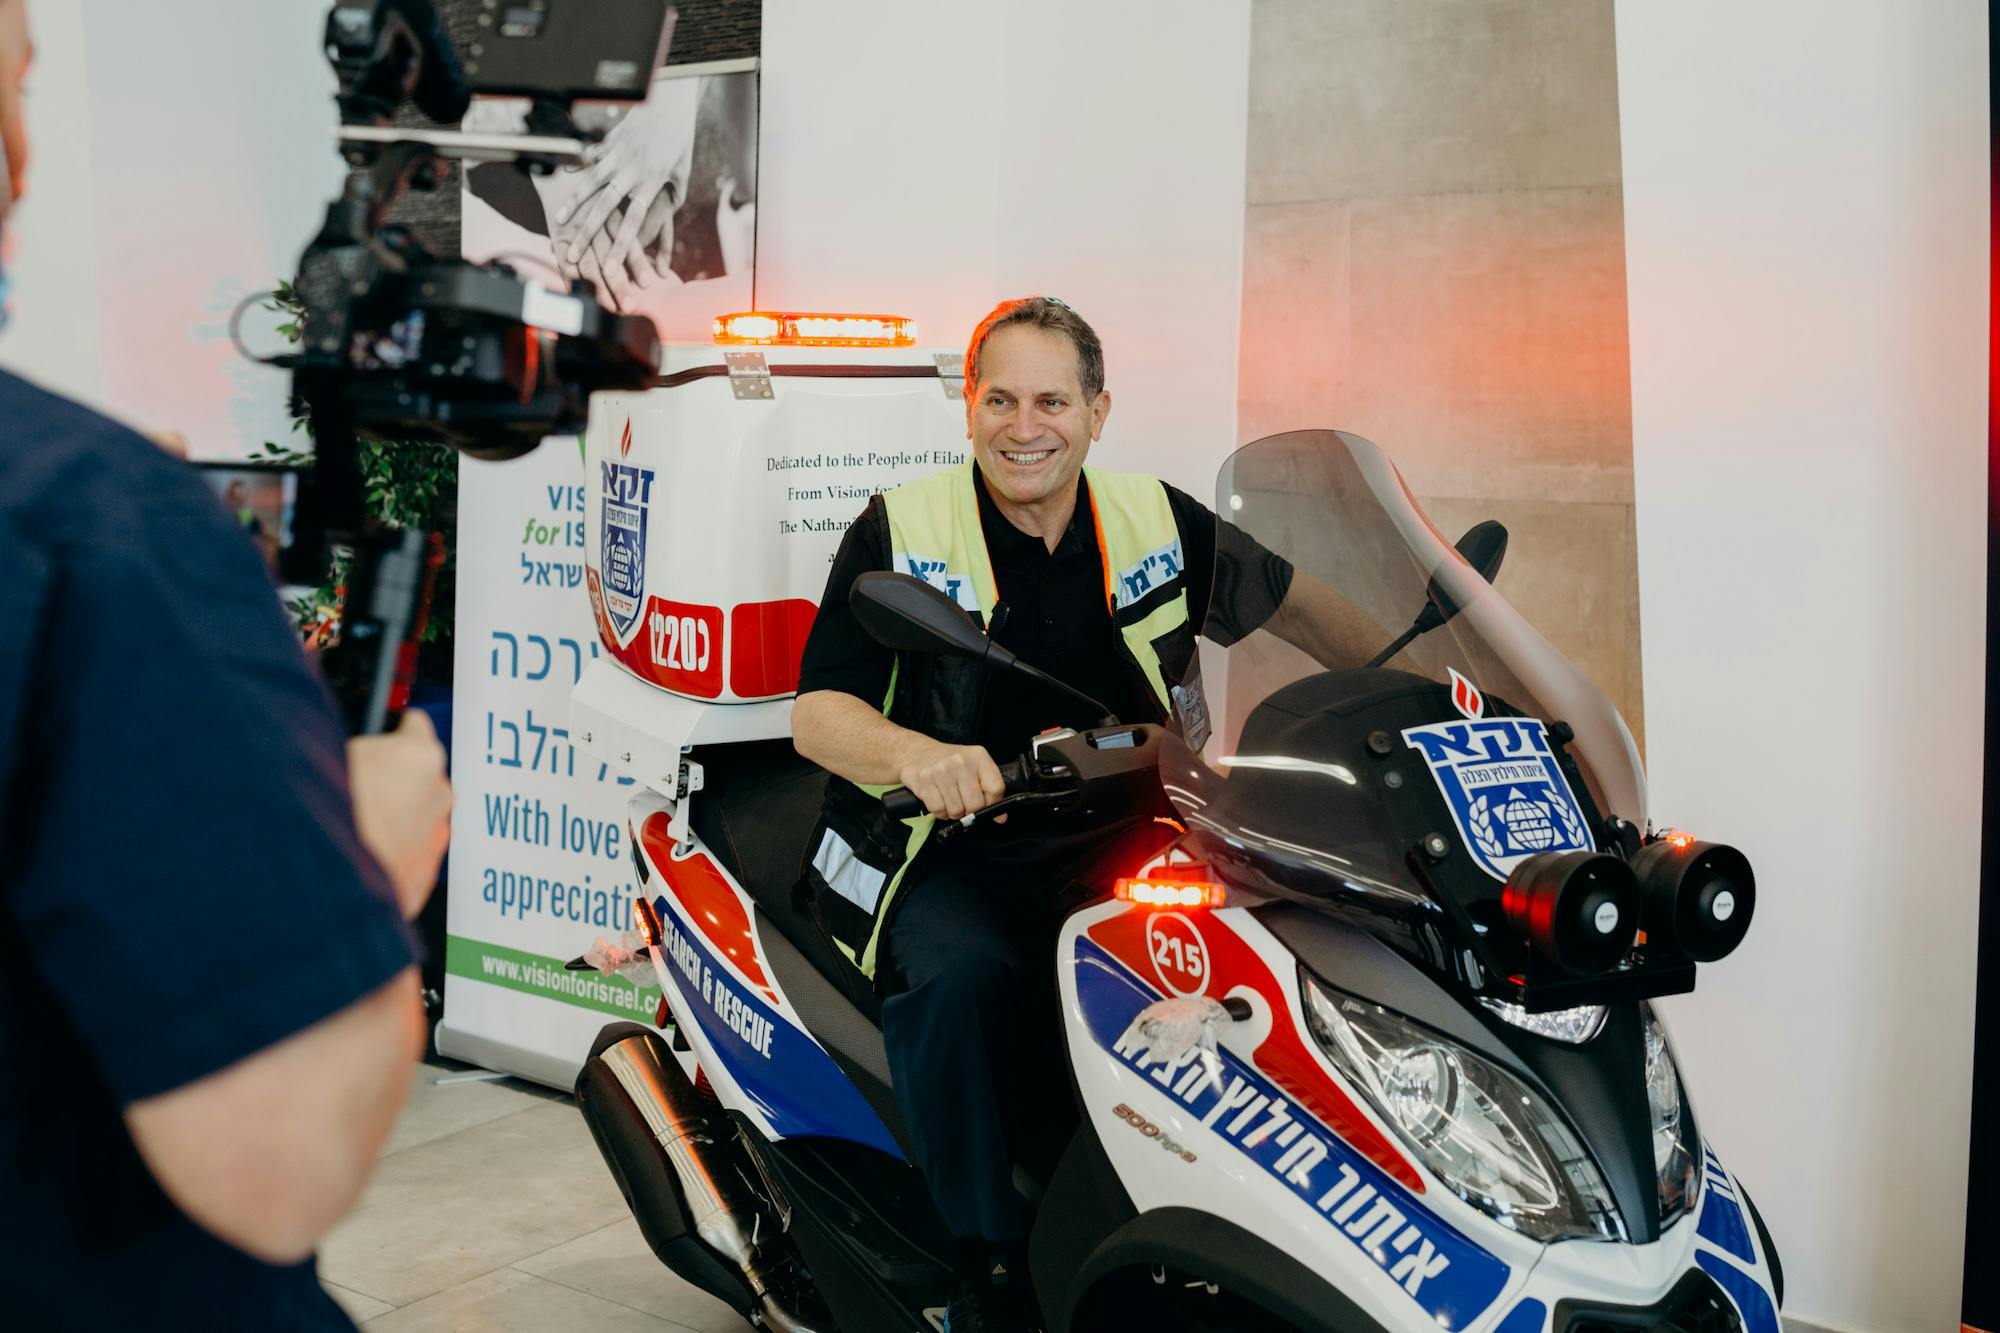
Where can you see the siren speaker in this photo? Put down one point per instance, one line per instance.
(1579, 910)
(1698, 896)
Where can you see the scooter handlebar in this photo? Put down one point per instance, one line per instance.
(902, 803)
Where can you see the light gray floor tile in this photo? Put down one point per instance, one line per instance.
(444, 1212)
(435, 1111)
(358, 1307)
(510, 1301)
(616, 1263)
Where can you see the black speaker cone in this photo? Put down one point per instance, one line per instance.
(1578, 910)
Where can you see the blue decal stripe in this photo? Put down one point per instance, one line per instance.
(1722, 1225)
(801, 1091)
(1530, 1316)
(1759, 1316)
(1450, 1278)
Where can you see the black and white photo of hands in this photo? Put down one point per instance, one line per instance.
(611, 221)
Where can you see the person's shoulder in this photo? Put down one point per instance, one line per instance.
(69, 473)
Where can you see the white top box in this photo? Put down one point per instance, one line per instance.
(716, 501)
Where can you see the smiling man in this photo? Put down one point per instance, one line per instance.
(1100, 579)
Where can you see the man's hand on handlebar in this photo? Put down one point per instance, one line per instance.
(953, 781)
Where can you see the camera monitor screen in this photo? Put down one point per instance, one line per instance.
(261, 499)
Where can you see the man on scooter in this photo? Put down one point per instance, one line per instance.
(1100, 579)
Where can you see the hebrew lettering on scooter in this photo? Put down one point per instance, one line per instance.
(513, 653)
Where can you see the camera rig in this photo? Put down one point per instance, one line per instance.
(399, 344)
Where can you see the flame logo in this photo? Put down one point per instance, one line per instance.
(625, 441)
(1464, 696)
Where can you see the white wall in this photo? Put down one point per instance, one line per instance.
(183, 155)
(929, 159)
(1807, 250)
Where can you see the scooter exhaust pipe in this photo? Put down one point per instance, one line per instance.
(679, 1176)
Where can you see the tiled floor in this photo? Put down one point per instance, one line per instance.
(491, 1209)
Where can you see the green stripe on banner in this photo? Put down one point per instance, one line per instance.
(536, 974)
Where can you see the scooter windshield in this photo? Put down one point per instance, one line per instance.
(1321, 760)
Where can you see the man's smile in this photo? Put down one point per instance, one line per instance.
(1025, 457)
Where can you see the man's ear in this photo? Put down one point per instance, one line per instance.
(1099, 411)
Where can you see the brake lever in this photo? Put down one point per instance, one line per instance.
(1053, 800)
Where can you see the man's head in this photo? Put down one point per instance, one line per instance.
(1034, 398)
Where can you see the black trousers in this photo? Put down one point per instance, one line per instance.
(971, 1024)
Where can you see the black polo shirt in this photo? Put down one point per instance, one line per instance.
(181, 883)
(1051, 613)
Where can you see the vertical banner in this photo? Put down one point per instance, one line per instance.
(539, 862)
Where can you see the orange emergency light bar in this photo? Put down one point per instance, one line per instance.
(767, 329)
(1168, 892)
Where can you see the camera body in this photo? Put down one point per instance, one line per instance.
(399, 344)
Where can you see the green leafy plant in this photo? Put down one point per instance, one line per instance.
(406, 483)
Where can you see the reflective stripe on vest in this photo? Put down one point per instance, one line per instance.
(935, 535)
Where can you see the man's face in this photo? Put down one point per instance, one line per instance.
(1028, 421)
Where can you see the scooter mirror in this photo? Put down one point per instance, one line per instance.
(1483, 546)
(911, 616)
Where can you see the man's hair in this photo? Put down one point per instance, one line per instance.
(1042, 312)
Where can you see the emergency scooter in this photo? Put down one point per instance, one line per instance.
(1368, 1047)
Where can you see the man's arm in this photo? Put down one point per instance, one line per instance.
(269, 1152)
(1325, 625)
(842, 668)
(846, 737)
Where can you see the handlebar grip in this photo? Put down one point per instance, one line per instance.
(901, 803)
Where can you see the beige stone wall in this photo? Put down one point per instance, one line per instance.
(1434, 258)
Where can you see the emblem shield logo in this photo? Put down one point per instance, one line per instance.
(1507, 794)
(626, 496)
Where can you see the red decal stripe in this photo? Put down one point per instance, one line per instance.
(766, 640)
(710, 902)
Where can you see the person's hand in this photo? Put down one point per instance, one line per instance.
(402, 805)
(642, 267)
(953, 781)
(642, 169)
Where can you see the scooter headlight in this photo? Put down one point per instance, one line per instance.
(1490, 1138)
(1674, 1155)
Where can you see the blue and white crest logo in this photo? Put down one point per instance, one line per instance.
(1506, 792)
(627, 495)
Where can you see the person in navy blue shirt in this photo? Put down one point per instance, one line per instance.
(208, 1009)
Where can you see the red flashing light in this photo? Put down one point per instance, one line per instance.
(1677, 838)
(1160, 893)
